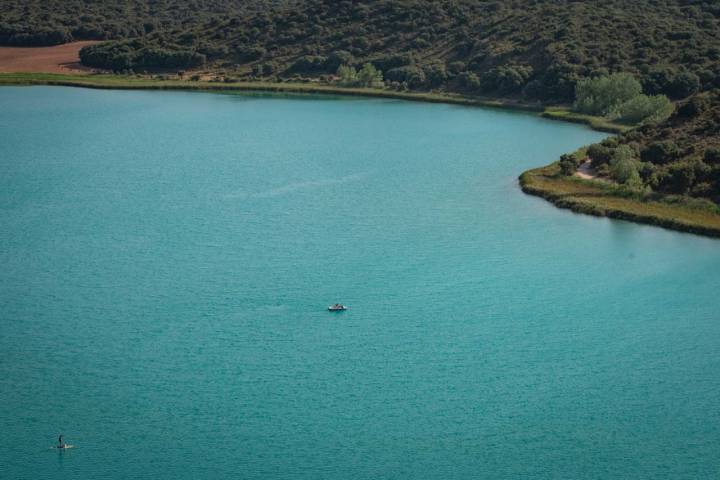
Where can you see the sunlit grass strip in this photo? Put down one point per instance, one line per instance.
(129, 82)
(605, 199)
(597, 123)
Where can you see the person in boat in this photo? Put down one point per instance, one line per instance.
(60, 442)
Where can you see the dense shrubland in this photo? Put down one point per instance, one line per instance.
(137, 55)
(52, 22)
(680, 156)
(531, 49)
(625, 58)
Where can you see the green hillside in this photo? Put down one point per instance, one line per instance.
(537, 49)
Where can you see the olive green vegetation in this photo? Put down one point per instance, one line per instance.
(620, 97)
(666, 174)
(537, 49)
(53, 22)
(368, 76)
(680, 156)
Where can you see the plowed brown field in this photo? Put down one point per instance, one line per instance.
(56, 59)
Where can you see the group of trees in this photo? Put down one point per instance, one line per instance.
(569, 163)
(367, 76)
(536, 50)
(624, 167)
(135, 56)
(53, 22)
(619, 97)
(643, 109)
(21, 35)
(680, 156)
(156, 35)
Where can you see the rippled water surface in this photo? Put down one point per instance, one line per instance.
(167, 258)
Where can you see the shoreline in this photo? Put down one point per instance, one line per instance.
(596, 123)
(116, 82)
(578, 195)
(590, 197)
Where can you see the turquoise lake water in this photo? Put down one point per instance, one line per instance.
(167, 259)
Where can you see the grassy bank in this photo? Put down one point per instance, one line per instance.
(129, 83)
(605, 199)
(132, 82)
(596, 123)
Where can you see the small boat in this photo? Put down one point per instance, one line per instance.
(338, 307)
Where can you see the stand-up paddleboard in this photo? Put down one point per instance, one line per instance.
(64, 447)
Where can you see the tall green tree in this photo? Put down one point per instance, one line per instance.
(347, 74)
(369, 76)
(601, 95)
(624, 166)
(643, 109)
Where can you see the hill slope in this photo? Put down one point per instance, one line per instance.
(534, 48)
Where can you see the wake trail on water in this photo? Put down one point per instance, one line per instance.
(297, 186)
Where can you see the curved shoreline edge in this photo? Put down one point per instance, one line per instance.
(115, 82)
(591, 198)
(543, 182)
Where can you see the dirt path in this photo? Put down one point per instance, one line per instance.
(586, 171)
(57, 59)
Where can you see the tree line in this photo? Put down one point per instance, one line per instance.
(535, 50)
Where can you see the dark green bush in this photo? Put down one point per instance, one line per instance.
(309, 64)
(712, 156)
(436, 75)
(249, 53)
(412, 75)
(469, 81)
(506, 79)
(125, 56)
(693, 107)
(337, 58)
(568, 164)
(684, 84)
(600, 96)
(599, 154)
(661, 152)
(20, 37)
